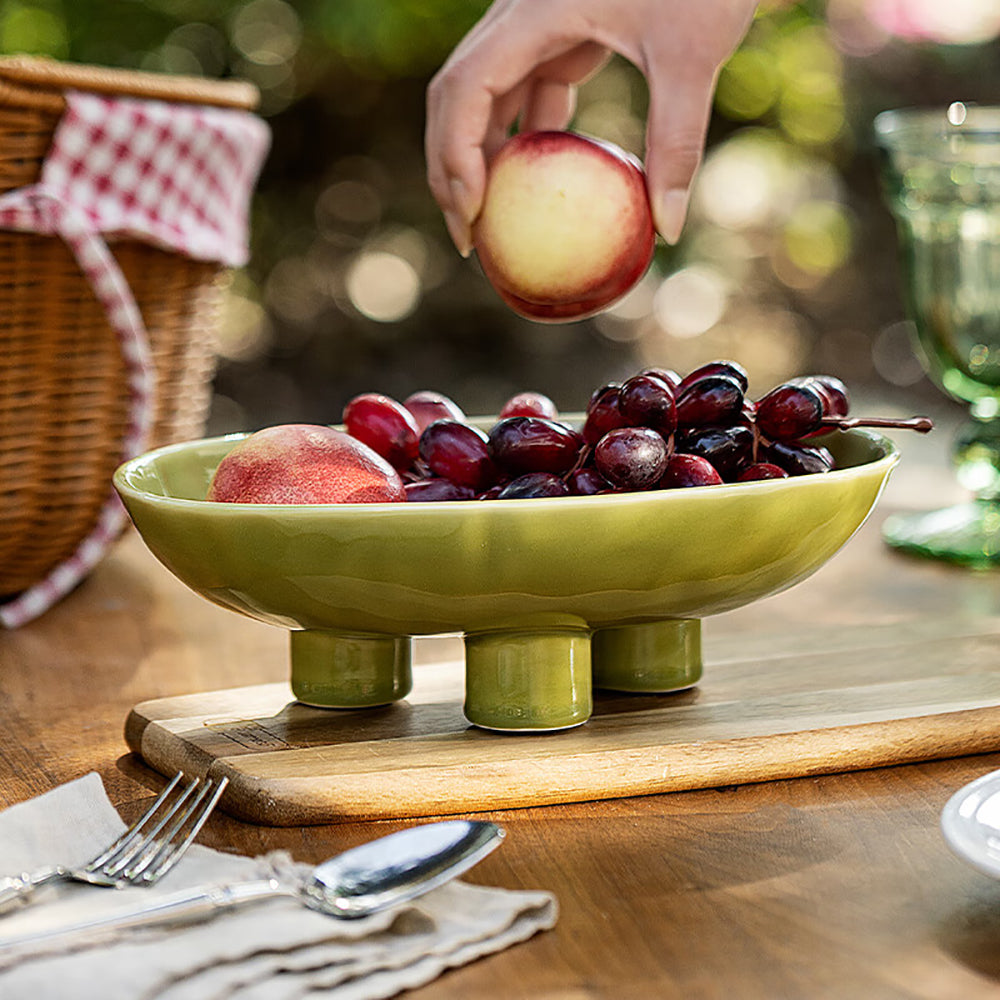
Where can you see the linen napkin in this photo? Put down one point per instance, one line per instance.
(277, 949)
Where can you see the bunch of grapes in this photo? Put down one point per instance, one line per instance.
(656, 430)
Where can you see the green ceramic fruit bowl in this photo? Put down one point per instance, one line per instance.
(554, 596)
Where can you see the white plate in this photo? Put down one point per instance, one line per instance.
(970, 822)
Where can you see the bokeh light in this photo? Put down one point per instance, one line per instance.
(36, 29)
(294, 294)
(194, 49)
(267, 32)
(817, 237)
(811, 105)
(749, 85)
(267, 35)
(744, 181)
(691, 301)
(348, 203)
(951, 22)
(383, 286)
(245, 331)
(893, 355)
(853, 31)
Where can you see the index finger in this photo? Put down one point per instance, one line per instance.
(463, 99)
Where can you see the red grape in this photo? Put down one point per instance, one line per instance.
(534, 484)
(428, 406)
(459, 452)
(731, 369)
(588, 482)
(789, 412)
(648, 401)
(798, 460)
(529, 404)
(603, 413)
(761, 470)
(711, 399)
(688, 470)
(533, 444)
(437, 489)
(727, 448)
(834, 390)
(386, 426)
(632, 458)
(668, 375)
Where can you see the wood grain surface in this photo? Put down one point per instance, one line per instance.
(794, 715)
(824, 887)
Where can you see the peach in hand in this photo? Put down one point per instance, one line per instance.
(304, 464)
(566, 228)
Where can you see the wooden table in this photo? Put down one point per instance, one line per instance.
(820, 887)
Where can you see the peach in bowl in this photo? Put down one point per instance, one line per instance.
(555, 596)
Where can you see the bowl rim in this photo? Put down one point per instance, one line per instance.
(881, 465)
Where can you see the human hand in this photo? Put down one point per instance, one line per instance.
(523, 62)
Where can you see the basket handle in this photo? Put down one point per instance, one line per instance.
(42, 79)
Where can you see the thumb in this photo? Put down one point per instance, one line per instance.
(679, 112)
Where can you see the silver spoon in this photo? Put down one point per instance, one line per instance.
(382, 873)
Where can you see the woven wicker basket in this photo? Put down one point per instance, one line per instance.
(63, 395)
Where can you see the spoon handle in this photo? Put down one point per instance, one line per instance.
(185, 906)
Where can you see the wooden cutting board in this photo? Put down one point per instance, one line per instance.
(876, 700)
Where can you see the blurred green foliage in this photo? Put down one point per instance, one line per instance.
(787, 263)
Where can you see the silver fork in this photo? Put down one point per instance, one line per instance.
(142, 855)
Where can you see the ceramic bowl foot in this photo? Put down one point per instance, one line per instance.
(528, 681)
(655, 657)
(340, 670)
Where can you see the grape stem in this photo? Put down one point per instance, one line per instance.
(581, 461)
(919, 424)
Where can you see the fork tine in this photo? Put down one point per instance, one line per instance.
(140, 840)
(133, 831)
(158, 862)
(158, 842)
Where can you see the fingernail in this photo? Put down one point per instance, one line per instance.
(670, 212)
(459, 232)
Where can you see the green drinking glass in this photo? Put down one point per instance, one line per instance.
(941, 174)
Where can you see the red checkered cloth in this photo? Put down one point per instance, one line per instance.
(176, 176)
